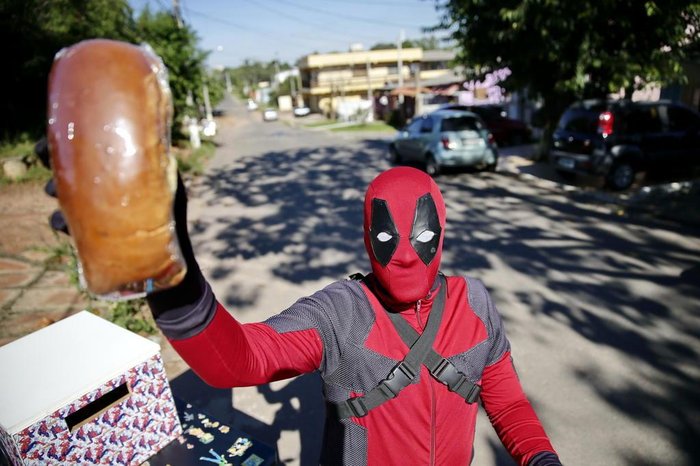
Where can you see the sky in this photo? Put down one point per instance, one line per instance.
(265, 30)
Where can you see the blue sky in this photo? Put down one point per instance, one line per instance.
(288, 29)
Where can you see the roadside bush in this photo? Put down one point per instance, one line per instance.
(22, 150)
(190, 161)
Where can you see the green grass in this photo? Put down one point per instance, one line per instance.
(378, 126)
(23, 149)
(193, 161)
(320, 123)
(18, 149)
(133, 314)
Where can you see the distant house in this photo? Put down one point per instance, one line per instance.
(340, 83)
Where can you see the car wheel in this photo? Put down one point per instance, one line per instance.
(431, 166)
(394, 156)
(621, 176)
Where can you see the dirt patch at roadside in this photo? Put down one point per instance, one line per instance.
(24, 230)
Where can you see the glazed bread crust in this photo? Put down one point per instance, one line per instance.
(110, 111)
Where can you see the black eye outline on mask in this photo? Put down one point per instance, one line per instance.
(382, 222)
(426, 220)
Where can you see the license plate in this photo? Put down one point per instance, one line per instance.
(566, 163)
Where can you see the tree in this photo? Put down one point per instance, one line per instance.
(33, 31)
(216, 82)
(561, 50)
(252, 72)
(426, 43)
(177, 47)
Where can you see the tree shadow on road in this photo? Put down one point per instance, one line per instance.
(592, 271)
(614, 281)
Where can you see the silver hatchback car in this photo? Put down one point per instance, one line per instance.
(445, 138)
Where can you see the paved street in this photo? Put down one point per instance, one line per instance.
(601, 309)
(600, 303)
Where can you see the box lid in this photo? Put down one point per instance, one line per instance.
(47, 369)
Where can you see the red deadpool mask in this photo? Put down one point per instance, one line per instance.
(404, 223)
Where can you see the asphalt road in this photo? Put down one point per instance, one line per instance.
(602, 310)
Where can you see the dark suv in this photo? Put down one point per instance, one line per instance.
(619, 139)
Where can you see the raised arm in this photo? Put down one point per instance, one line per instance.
(222, 351)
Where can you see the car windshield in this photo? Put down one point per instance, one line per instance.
(462, 123)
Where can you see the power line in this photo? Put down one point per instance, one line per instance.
(270, 35)
(302, 21)
(372, 2)
(296, 19)
(349, 17)
(273, 36)
(349, 38)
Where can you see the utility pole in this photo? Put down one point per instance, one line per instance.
(400, 66)
(299, 86)
(177, 13)
(332, 111)
(277, 72)
(417, 106)
(228, 82)
(368, 68)
(207, 104)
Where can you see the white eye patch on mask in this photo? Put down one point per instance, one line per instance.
(424, 237)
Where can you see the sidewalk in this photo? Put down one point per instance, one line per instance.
(35, 289)
(32, 296)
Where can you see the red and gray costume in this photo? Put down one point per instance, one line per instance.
(345, 332)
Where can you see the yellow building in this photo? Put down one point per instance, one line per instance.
(331, 80)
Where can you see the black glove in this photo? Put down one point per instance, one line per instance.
(187, 308)
(192, 287)
(545, 458)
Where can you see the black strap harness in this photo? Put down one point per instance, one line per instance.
(421, 353)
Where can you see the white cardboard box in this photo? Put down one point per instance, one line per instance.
(84, 391)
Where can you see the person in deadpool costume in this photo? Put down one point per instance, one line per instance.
(348, 333)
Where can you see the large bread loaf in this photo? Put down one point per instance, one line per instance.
(109, 111)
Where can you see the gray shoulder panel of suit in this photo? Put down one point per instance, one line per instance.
(482, 304)
(333, 311)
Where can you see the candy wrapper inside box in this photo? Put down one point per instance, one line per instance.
(84, 391)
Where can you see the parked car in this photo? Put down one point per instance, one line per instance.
(270, 114)
(618, 139)
(506, 131)
(445, 138)
(301, 111)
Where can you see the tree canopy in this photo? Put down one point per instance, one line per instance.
(562, 50)
(34, 30)
(426, 43)
(251, 72)
(177, 47)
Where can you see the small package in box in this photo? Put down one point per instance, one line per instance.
(84, 391)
